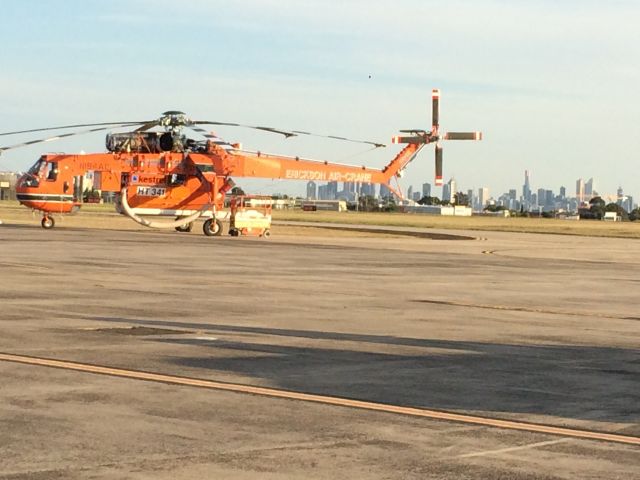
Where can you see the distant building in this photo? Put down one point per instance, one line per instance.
(625, 201)
(349, 187)
(368, 189)
(332, 190)
(611, 217)
(8, 185)
(447, 210)
(588, 190)
(312, 190)
(446, 193)
(580, 190)
(410, 192)
(549, 201)
(331, 205)
(526, 189)
(449, 191)
(483, 198)
(426, 189)
(385, 192)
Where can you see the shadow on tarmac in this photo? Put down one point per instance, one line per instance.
(578, 382)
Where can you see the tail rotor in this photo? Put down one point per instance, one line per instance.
(418, 136)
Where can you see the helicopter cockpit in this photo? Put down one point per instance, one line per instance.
(42, 169)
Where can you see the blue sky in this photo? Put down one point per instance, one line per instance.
(554, 86)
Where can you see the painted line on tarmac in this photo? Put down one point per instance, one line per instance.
(512, 449)
(320, 399)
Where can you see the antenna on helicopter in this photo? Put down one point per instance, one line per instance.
(420, 136)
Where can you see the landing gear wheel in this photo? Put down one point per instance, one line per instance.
(266, 233)
(212, 228)
(234, 232)
(47, 222)
(186, 228)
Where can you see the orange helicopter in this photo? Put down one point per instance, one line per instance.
(165, 173)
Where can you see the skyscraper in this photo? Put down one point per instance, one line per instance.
(332, 190)
(588, 189)
(526, 189)
(580, 190)
(426, 189)
(549, 199)
(483, 197)
(446, 193)
(449, 191)
(512, 203)
(311, 190)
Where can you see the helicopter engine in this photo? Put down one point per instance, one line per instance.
(143, 142)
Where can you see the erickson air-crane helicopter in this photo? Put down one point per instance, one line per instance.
(165, 173)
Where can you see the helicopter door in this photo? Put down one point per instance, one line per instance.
(78, 183)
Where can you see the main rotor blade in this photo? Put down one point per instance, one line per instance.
(344, 139)
(462, 136)
(64, 135)
(438, 165)
(64, 127)
(214, 138)
(287, 134)
(435, 109)
(148, 125)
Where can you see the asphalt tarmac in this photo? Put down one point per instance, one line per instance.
(543, 329)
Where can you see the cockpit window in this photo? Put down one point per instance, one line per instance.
(35, 170)
(51, 171)
(32, 177)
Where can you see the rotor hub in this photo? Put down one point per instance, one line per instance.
(174, 120)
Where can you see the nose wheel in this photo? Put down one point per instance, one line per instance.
(47, 222)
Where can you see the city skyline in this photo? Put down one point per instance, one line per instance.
(542, 199)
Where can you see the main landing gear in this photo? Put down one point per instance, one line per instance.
(186, 228)
(47, 222)
(212, 227)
